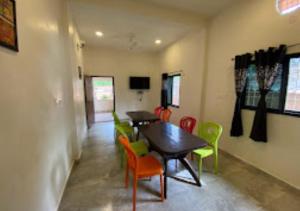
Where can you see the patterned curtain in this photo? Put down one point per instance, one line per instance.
(268, 66)
(241, 65)
(164, 90)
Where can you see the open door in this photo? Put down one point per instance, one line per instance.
(89, 100)
(104, 98)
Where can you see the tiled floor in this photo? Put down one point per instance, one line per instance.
(97, 184)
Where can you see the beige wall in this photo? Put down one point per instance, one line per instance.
(187, 55)
(37, 126)
(245, 27)
(122, 64)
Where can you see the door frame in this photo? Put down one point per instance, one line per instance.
(113, 84)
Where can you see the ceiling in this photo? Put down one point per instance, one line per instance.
(136, 24)
(207, 8)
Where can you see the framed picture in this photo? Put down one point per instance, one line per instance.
(8, 25)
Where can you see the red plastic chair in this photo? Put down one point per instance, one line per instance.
(141, 167)
(188, 124)
(158, 111)
(166, 115)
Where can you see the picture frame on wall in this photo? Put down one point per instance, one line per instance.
(8, 25)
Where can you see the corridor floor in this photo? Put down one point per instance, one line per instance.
(97, 184)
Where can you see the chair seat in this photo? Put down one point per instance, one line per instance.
(125, 123)
(149, 166)
(139, 147)
(127, 128)
(204, 152)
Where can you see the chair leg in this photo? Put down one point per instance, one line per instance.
(176, 164)
(122, 157)
(161, 187)
(127, 176)
(199, 167)
(115, 136)
(216, 163)
(134, 193)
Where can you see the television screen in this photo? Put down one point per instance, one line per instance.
(139, 82)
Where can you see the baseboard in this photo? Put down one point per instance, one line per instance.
(65, 185)
(266, 172)
(77, 159)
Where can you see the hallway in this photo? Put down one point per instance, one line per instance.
(97, 184)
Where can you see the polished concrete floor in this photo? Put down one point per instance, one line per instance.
(103, 117)
(97, 183)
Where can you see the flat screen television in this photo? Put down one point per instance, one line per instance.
(139, 82)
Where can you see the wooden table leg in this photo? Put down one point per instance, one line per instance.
(136, 124)
(188, 166)
(165, 176)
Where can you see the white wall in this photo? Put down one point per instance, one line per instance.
(245, 27)
(37, 134)
(187, 55)
(76, 61)
(122, 64)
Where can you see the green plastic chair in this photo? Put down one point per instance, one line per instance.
(118, 121)
(125, 126)
(139, 147)
(211, 133)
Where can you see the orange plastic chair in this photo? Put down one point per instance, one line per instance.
(166, 115)
(158, 111)
(141, 167)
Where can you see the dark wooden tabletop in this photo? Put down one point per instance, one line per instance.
(142, 116)
(168, 139)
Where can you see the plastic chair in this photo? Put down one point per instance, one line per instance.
(139, 147)
(188, 124)
(141, 167)
(124, 124)
(166, 115)
(117, 120)
(211, 133)
(158, 111)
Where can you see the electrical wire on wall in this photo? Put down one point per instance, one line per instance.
(140, 95)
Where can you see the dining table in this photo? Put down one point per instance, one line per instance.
(172, 142)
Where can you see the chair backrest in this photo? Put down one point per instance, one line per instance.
(188, 123)
(121, 131)
(210, 132)
(158, 110)
(166, 115)
(116, 118)
(132, 158)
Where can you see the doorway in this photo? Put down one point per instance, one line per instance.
(100, 98)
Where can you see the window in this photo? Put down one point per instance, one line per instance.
(252, 94)
(292, 103)
(174, 90)
(287, 6)
(284, 96)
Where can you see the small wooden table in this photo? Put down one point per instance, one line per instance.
(171, 142)
(138, 117)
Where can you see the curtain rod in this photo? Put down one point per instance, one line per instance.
(289, 46)
(175, 72)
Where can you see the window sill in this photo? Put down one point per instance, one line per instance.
(272, 111)
(175, 106)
